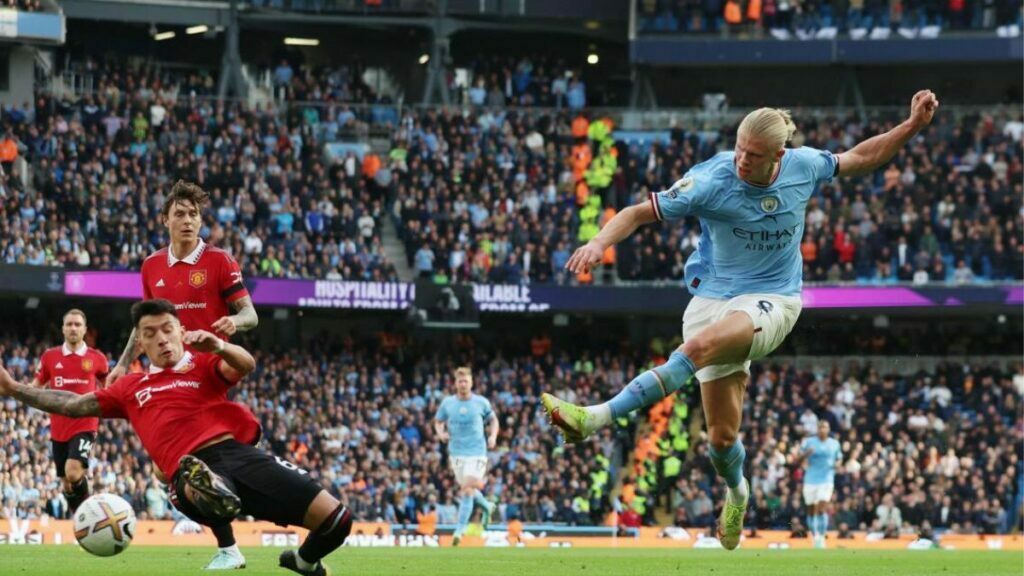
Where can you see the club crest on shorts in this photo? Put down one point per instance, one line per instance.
(197, 278)
(769, 204)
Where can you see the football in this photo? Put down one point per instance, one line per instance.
(104, 525)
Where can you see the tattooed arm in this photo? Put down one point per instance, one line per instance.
(127, 356)
(52, 401)
(244, 318)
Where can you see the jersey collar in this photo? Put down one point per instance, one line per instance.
(67, 351)
(192, 259)
(185, 360)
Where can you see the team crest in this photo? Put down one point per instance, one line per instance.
(197, 278)
(87, 365)
(769, 204)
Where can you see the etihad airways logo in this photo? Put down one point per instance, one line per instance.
(144, 395)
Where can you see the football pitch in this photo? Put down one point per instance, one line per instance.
(158, 561)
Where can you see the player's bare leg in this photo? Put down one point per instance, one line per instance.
(329, 523)
(76, 485)
(723, 410)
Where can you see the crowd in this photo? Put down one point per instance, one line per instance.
(806, 17)
(492, 198)
(537, 80)
(489, 195)
(933, 450)
(100, 166)
(24, 5)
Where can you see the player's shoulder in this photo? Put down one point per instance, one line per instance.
(50, 353)
(718, 166)
(215, 253)
(96, 354)
(807, 154)
(155, 258)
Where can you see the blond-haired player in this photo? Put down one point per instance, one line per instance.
(746, 276)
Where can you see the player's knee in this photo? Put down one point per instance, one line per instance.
(698, 349)
(73, 471)
(722, 437)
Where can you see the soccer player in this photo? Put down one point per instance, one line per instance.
(823, 455)
(203, 282)
(72, 367)
(189, 429)
(745, 277)
(460, 422)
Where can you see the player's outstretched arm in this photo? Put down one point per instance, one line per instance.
(124, 361)
(52, 401)
(616, 230)
(873, 153)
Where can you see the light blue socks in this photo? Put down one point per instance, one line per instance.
(653, 385)
(465, 513)
(729, 463)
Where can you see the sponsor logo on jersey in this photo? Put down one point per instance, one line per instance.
(146, 394)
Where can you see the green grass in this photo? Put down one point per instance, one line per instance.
(70, 561)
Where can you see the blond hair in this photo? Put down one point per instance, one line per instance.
(773, 125)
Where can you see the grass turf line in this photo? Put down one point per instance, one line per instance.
(69, 560)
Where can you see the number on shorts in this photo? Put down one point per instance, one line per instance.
(289, 465)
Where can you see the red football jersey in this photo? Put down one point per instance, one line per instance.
(61, 369)
(201, 285)
(175, 410)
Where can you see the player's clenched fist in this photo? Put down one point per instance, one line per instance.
(584, 258)
(922, 107)
(226, 326)
(203, 341)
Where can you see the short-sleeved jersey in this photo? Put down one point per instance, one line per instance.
(821, 465)
(177, 409)
(750, 235)
(201, 285)
(465, 420)
(60, 368)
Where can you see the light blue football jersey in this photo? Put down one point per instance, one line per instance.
(750, 235)
(821, 465)
(465, 420)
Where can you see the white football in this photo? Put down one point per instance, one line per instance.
(104, 525)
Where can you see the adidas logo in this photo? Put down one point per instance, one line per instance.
(160, 283)
(59, 366)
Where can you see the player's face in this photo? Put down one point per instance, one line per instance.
(160, 338)
(184, 222)
(823, 429)
(74, 329)
(755, 159)
(463, 385)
